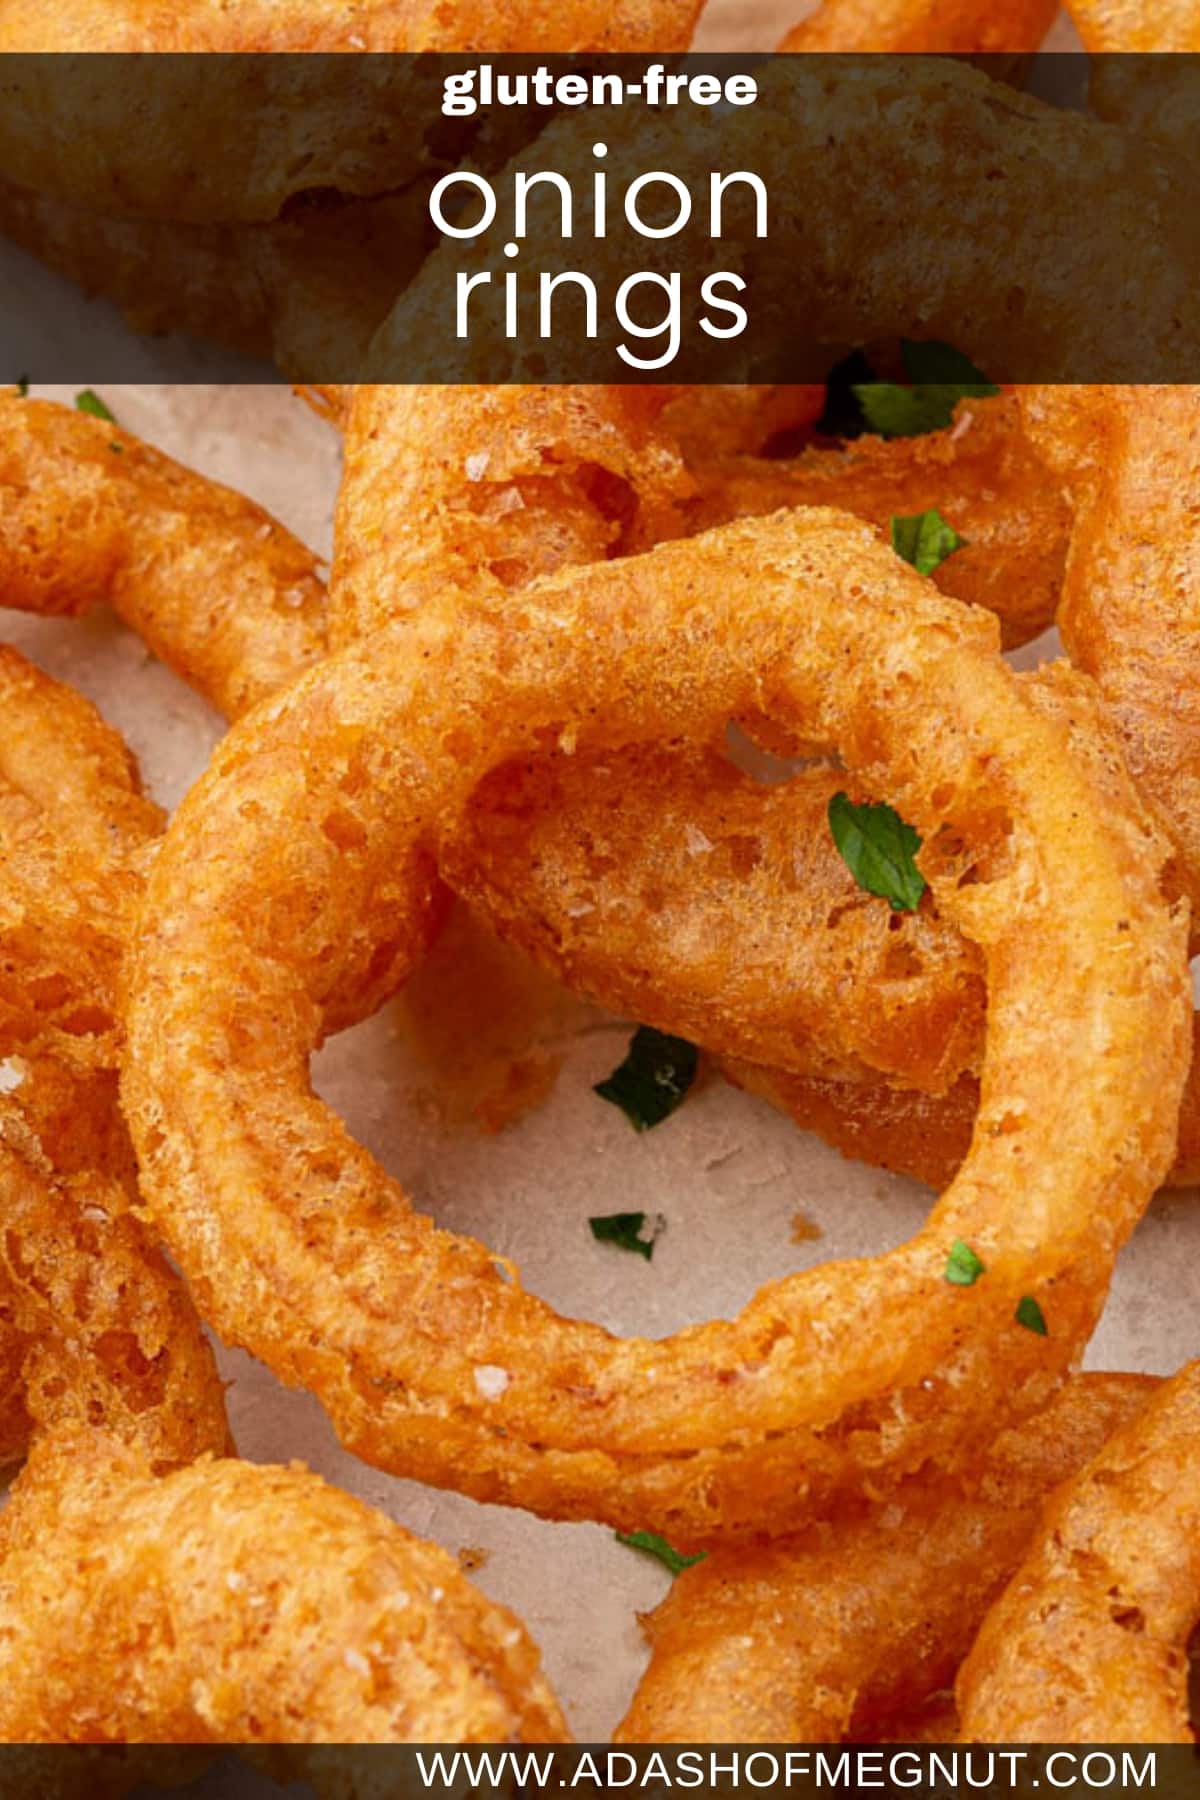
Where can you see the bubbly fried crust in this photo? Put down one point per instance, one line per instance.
(982, 475)
(489, 487)
(928, 27)
(331, 25)
(301, 858)
(94, 1327)
(1131, 608)
(231, 1603)
(484, 488)
(668, 886)
(852, 1629)
(213, 584)
(1088, 1643)
(921, 1134)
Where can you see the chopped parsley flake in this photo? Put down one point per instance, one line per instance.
(940, 376)
(924, 539)
(624, 1229)
(879, 849)
(653, 1079)
(653, 1545)
(90, 402)
(1030, 1315)
(963, 1267)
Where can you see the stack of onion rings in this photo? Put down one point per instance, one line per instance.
(340, 789)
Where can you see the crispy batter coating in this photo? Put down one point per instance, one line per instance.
(482, 486)
(849, 1631)
(232, 1603)
(930, 27)
(1131, 609)
(916, 1133)
(670, 887)
(213, 584)
(1089, 1642)
(303, 856)
(982, 475)
(330, 25)
(94, 1326)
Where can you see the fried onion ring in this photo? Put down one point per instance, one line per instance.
(303, 857)
(930, 27)
(216, 588)
(94, 1326)
(1089, 1641)
(233, 1603)
(851, 1630)
(380, 26)
(1130, 613)
(307, 291)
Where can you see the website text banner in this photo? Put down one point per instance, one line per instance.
(619, 219)
(453, 1772)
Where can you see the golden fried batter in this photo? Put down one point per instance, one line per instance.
(233, 1603)
(303, 857)
(850, 1631)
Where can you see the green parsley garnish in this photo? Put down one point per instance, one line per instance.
(653, 1079)
(90, 402)
(22, 385)
(924, 539)
(625, 1231)
(1030, 1315)
(653, 1545)
(963, 1267)
(940, 376)
(879, 849)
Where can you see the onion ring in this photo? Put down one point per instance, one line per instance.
(93, 1324)
(1130, 613)
(233, 1603)
(379, 26)
(1088, 1643)
(216, 588)
(308, 291)
(930, 27)
(304, 855)
(912, 1132)
(850, 1631)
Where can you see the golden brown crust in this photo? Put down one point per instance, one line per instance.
(851, 1630)
(1046, 860)
(94, 1326)
(1089, 1642)
(672, 889)
(229, 1603)
(927, 27)
(1131, 607)
(213, 584)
